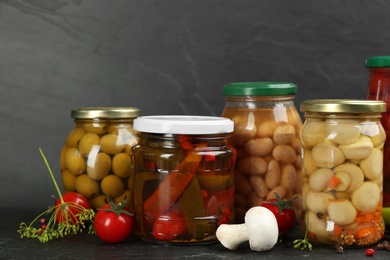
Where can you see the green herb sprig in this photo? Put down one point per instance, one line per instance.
(70, 224)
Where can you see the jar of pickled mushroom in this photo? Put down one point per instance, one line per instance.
(95, 159)
(183, 178)
(342, 144)
(379, 89)
(266, 136)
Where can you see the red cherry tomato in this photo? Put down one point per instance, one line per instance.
(74, 204)
(285, 215)
(110, 227)
(168, 226)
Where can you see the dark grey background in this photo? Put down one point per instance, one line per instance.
(165, 57)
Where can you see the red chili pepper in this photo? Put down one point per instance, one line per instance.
(173, 185)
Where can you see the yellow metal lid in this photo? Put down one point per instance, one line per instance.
(105, 112)
(343, 106)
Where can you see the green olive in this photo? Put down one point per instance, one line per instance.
(87, 142)
(74, 137)
(68, 180)
(109, 144)
(99, 201)
(99, 166)
(112, 185)
(74, 161)
(121, 165)
(96, 127)
(86, 186)
(125, 195)
(62, 157)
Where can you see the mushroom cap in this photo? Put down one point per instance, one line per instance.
(262, 228)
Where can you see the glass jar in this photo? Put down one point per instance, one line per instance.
(95, 158)
(183, 178)
(379, 89)
(342, 144)
(266, 136)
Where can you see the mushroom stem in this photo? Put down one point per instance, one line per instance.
(232, 235)
(260, 228)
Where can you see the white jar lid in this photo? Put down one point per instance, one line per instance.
(176, 124)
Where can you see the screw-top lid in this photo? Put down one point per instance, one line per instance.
(378, 61)
(259, 89)
(183, 125)
(343, 106)
(105, 112)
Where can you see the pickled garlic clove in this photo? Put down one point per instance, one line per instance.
(367, 197)
(308, 164)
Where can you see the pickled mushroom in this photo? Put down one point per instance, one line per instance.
(327, 156)
(367, 197)
(361, 149)
(342, 212)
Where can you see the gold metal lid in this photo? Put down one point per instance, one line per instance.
(343, 106)
(105, 112)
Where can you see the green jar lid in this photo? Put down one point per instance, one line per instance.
(378, 61)
(105, 112)
(259, 89)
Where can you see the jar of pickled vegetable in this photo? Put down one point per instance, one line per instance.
(379, 89)
(95, 159)
(183, 178)
(342, 144)
(266, 136)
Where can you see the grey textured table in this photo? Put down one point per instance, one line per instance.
(84, 246)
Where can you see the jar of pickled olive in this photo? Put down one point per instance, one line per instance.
(379, 89)
(95, 159)
(266, 136)
(342, 144)
(183, 178)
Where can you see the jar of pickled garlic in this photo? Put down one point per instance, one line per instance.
(183, 178)
(266, 136)
(342, 144)
(95, 159)
(379, 89)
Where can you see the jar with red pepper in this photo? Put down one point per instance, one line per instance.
(183, 178)
(379, 89)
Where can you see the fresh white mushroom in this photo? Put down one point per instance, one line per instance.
(260, 228)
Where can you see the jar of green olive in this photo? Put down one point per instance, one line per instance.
(183, 178)
(95, 159)
(342, 144)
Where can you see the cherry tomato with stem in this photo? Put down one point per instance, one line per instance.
(113, 222)
(283, 211)
(69, 205)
